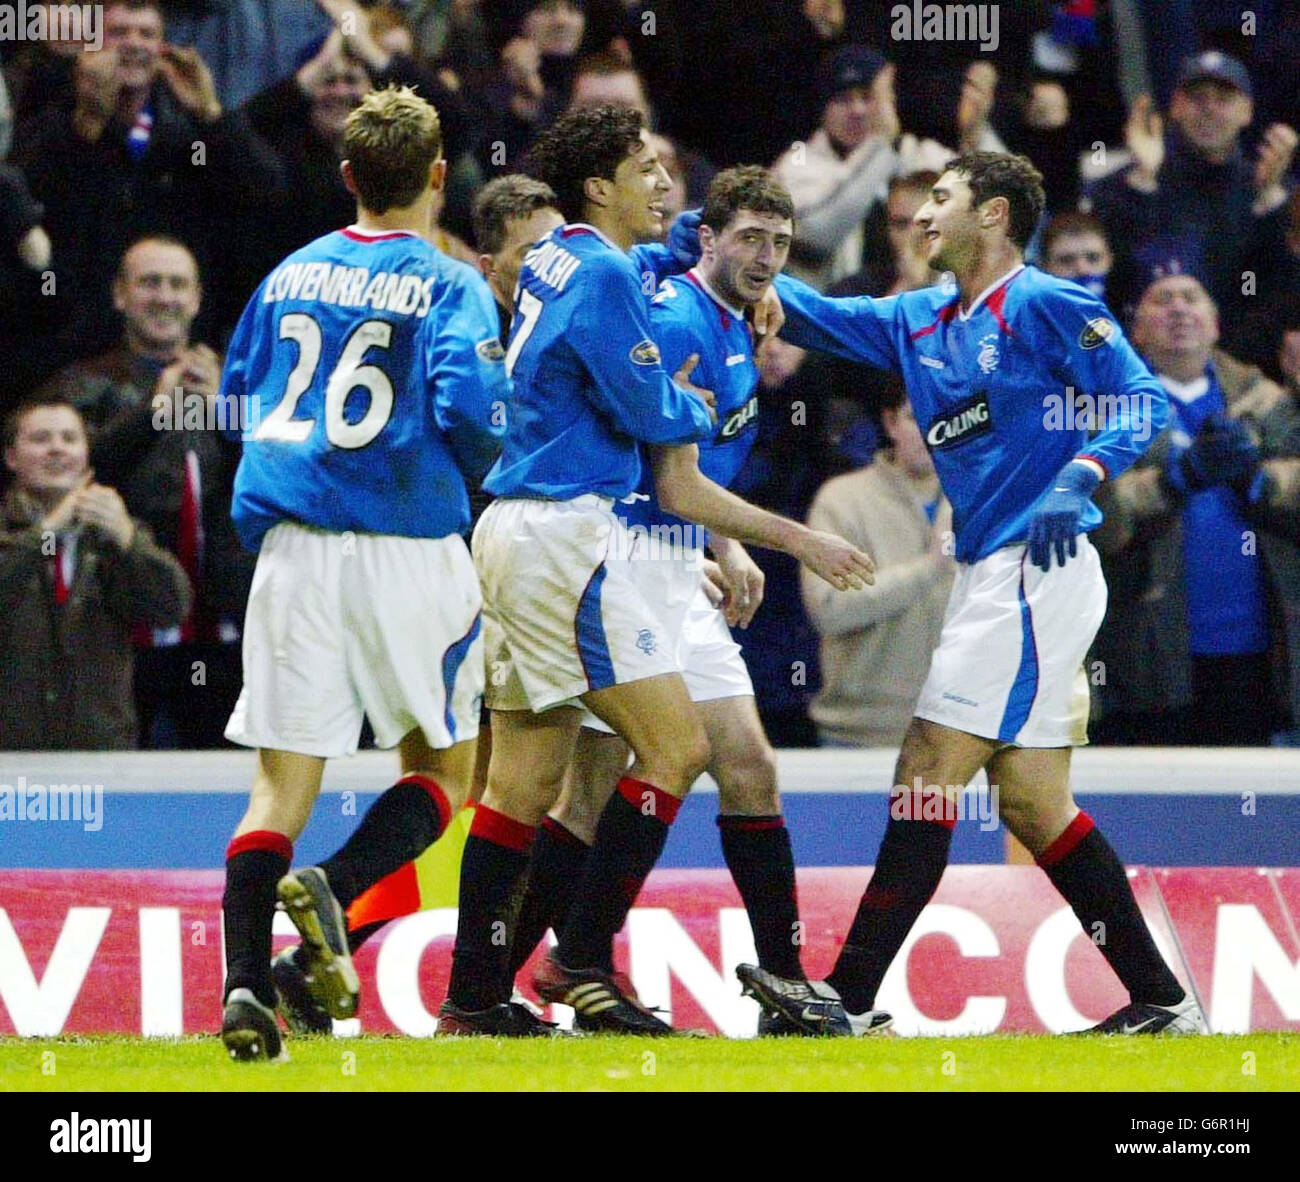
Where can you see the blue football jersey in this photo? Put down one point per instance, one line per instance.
(1005, 395)
(587, 380)
(687, 317)
(377, 377)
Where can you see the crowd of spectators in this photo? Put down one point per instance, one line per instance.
(149, 183)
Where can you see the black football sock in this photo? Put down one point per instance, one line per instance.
(910, 864)
(255, 862)
(492, 871)
(1091, 878)
(553, 876)
(404, 822)
(758, 854)
(629, 840)
(358, 936)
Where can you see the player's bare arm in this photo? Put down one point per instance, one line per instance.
(685, 491)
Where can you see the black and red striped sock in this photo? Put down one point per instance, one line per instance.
(492, 870)
(758, 854)
(629, 840)
(1092, 879)
(255, 862)
(404, 822)
(910, 864)
(556, 868)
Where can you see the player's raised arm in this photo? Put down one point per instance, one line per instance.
(685, 491)
(857, 328)
(1098, 361)
(631, 385)
(466, 367)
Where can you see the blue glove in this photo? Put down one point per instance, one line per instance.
(684, 237)
(1056, 523)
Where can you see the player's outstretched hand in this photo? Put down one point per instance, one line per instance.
(683, 378)
(1055, 527)
(684, 237)
(840, 563)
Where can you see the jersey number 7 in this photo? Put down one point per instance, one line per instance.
(349, 373)
(530, 308)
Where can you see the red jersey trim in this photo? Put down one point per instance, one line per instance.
(357, 236)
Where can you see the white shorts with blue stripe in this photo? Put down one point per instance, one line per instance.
(712, 666)
(342, 625)
(562, 614)
(1009, 663)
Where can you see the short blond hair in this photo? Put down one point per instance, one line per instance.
(390, 141)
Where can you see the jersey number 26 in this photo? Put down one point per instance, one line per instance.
(348, 374)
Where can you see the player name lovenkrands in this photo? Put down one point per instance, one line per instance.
(351, 287)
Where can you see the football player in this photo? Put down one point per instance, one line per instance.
(565, 624)
(375, 363)
(510, 214)
(745, 233)
(985, 359)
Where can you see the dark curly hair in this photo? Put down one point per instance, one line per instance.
(1000, 174)
(581, 144)
(747, 186)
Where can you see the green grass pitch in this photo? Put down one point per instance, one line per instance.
(1217, 1063)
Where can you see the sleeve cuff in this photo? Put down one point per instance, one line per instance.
(1094, 465)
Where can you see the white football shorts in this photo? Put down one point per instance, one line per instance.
(344, 625)
(1009, 663)
(562, 615)
(712, 666)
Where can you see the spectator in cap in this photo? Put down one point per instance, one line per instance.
(1192, 191)
(843, 171)
(1201, 642)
